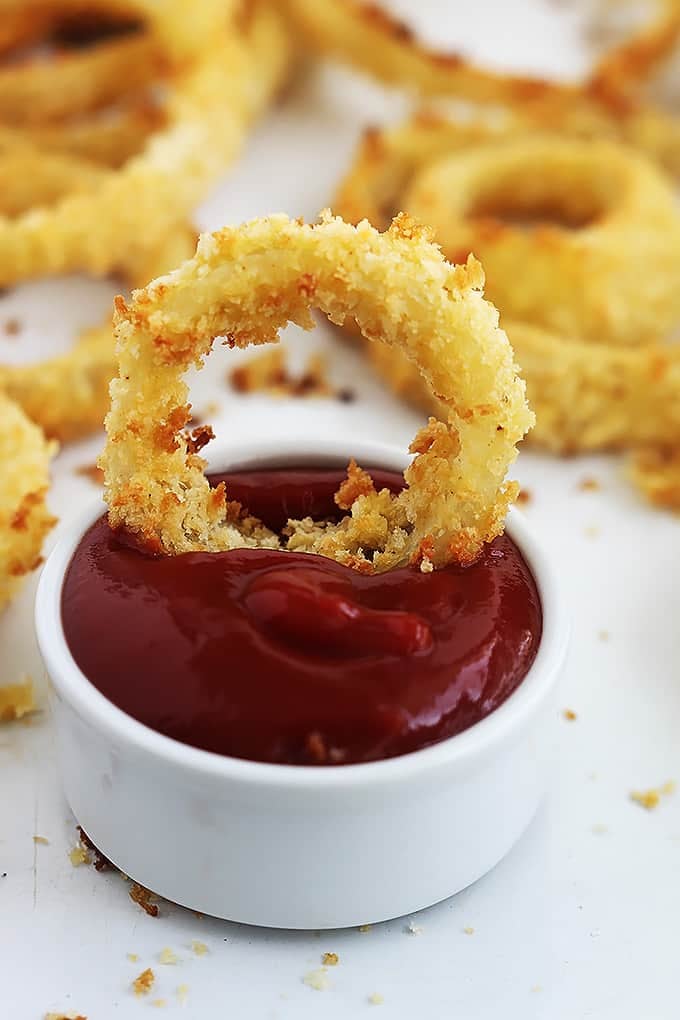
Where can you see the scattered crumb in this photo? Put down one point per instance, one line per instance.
(426, 565)
(599, 829)
(101, 863)
(79, 855)
(469, 931)
(330, 959)
(589, 485)
(363, 928)
(317, 979)
(199, 948)
(182, 993)
(603, 635)
(143, 898)
(167, 956)
(91, 471)
(132, 957)
(267, 372)
(41, 840)
(524, 497)
(144, 982)
(375, 999)
(569, 714)
(536, 988)
(649, 799)
(65, 1016)
(12, 327)
(591, 531)
(17, 700)
(159, 1003)
(198, 916)
(413, 929)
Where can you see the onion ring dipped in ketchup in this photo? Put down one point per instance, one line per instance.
(308, 616)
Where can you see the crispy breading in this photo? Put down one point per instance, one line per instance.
(398, 288)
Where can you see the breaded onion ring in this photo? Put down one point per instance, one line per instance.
(628, 64)
(563, 229)
(250, 282)
(132, 209)
(68, 395)
(24, 478)
(584, 281)
(367, 37)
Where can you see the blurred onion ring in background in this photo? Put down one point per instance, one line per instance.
(114, 215)
(24, 478)
(398, 288)
(367, 37)
(68, 395)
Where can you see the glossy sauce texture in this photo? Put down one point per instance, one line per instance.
(288, 657)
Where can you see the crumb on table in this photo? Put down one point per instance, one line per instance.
(79, 855)
(41, 840)
(167, 956)
(589, 484)
(330, 959)
(569, 714)
(524, 497)
(182, 993)
(649, 799)
(375, 999)
(317, 979)
(199, 948)
(363, 928)
(144, 982)
(469, 931)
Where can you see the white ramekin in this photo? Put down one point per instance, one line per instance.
(290, 846)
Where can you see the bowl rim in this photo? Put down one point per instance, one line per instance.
(460, 750)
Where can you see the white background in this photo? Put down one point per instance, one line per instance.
(583, 918)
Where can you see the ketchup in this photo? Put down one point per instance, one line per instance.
(293, 658)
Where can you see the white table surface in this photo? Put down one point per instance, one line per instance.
(583, 918)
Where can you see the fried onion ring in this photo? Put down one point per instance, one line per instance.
(579, 218)
(24, 478)
(365, 36)
(68, 395)
(209, 103)
(398, 288)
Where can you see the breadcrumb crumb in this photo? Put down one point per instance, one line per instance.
(413, 929)
(65, 1016)
(603, 635)
(182, 993)
(569, 714)
(589, 485)
(330, 959)
(199, 948)
(132, 957)
(167, 956)
(159, 1003)
(144, 982)
(79, 855)
(524, 497)
(143, 898)
(41, 840)
(317, 979)
(469, 931)
(375, 999)
(649, 799)
(599, 829)
(363, 928)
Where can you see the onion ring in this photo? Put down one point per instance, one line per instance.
(364, 35)
(68, 395)
(628, 64)
(398, 288)
(209, 103)
(24, 479)
(584, 282)
(581, 275)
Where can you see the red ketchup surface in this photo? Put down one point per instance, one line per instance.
(292, 658)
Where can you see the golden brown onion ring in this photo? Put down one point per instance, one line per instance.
(134, 208)
(24, 477)
(398, 288)
(580, 237)
(78, 81)
(628, 64)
